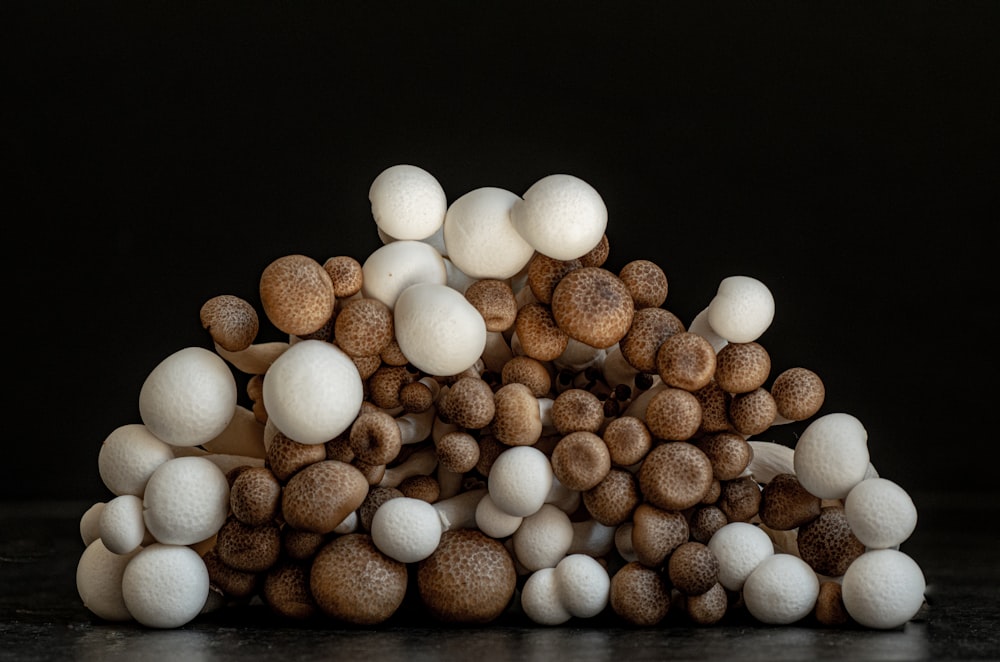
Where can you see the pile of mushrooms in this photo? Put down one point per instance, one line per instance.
(483, 420)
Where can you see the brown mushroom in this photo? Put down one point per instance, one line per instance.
(296, 294)
(640, 595)
(742, 367)
(231, 321)
(320, 496)
(592, 305)
(352, 581)
(675, 475)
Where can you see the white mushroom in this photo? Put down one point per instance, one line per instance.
(740, 548)
(540, 599)
(459, 511)
(186, 501)
(188, 398)
(520, 480)
(121, 525)
(561, 216)
(880, 513)
(165, 586)
(781, 590)
(129, 456)
(543, 538)
(406, 529)
(832, 456)
(99, 581)
(583, 584)
(90, 523)
(883, 588)
(479, 235)
(392, 268)
(438, 330)
(313, 392)
(742, 309)
(407, 202)
(493, 521)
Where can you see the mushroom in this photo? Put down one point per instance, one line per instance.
(346, 275)
(99, 581)
(646, 282)
(827, 543)
(656, 533)
(230, 320)
(544, 273)
(729, 453)
(752, 413)
(468, 403)
(578, 586)
(740, 547)
(363, 327)
(580, 460)
(592, 305)
(639, 595)
(613, 500)
(675, 475)
(128, 457)
(90, 523)
(248, 548)
(540, 600)
(709, 607)
(597, 255)
(469, 579)
(742, 309)
(781, 590)
(517, 419)
(537, 334)
(577, 409)
(798, 394)
(561, 216)
(407, 202)
(880, 513)
(593, 538)
(121, 525)
(319, 497)
(296, 294)
(421, 462)
(493, 521)
(406, 529)
(628, 440)
(883, 589)
(543, 538)
(714, 409)
(375, 437)
(739, 499)
(742, 367)
(693, 568)
(255, 496)
(352, 581)
(786, 505)
(438, 330)
(705, 520)
(313, 392)
(286, 456)
(285, 589)
(528, 371)
(480, 237)
(830, 609)
(686, 361)
(188, 398)
(165, 586)
(519, 480)
(392, 268)
(671, 414)
(650, 328)
(832, 456)
(186, 501)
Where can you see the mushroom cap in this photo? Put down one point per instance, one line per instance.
(639, 595)
(709, 607)
(540, 599)
(255, 496)
(831, 456)
(285, 590)
(189, 398)
(675, 475)
(407, 202)
(468, 403)
(742, 309)
(646, 282)
(781, 590)
(519, 480)
(231, 321)
(580, 460)
(470, 578)
(673, 414)
(686, 360)
(613, 500)
(494, 522)
(584, 585)
(650, 327)
(577, 409)
(729, 453)
(375, 437)
(739, 499)
(883, 588)
(740, 548)
(592, 305)
(165, 586)
(693, 568)
(248, 548)
(99, 581)
(352, 581)
(517, 419)
(296, 294)
(321, 495)
(561, 216)
(480, 237)
(544, 273)
(438, 330)
(798, 393)
(628, 440)
(495, 301)
(345, 274)
(121, 524)
(129, 456)
(406, 529)
(457, 451)
(543, 538)
(186, 500)
(528, 371)
(880, 513)
(827, 543)
(754, 412)
(285, 456)
(786, 505)
(312, 392)
(742, 367)
(656, 533)
(536, 330)
(363, 327)
(393, 267)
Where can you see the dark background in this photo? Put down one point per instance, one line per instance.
(844, 153)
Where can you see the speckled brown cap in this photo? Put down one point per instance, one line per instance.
(705, 520)
(320, 496)
(468, 403)
(613, 500)
(286, 590)
(639, 595)
(255, 496)
(752, 413)
(385, 384)
(495, 301)
(628, 440)
(714, 408)
(673, 414)
(457, 451)
(742, 367)
(537, 332)
(830, 609)
(352, 581)
(650, 327)
(827, 543)
(580, 460)
(296, 294)
(592, 305)
(375, 437)
(248, 548)
(469, 579)
(798, 393)
(730, 453)
(286, 456)
(544, 273)
(656, 533)
(517, 421)
(528, 371)
(346, 274)
(597, 255)
(646, 282)
(675, 475)
(740, 499)
(234, 584)
(363, 327)
(231, 321)
(786, 505)
(577, 409)
(707, 608)
(693, 568)
(686, 360)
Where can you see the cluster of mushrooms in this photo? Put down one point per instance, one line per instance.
(480, 420)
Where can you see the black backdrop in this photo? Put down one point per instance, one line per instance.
(844, 153)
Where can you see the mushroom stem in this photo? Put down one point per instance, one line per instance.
(701, 326)
(617, 370)
(225, 461)
(769, 460)
(416, 427)
(637, 407)
(579, 356)
(243, 436)
(497, 352)
(592, 538)
(459, 511)
(449, 482)
(421, 463)
(255, 359)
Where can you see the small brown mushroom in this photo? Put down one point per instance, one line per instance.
(656, 533)
(693, 568)
(385, 384)
(375, 437)
(742, 367)
(798, 393)
(352, 581)
(537, 332)
(740, 499)
(231, 321)
(528, 371)
(597, 255)
(296, 294)
(346, 274)
(424, 488)
(577, 409)
(827, 543)
(729, 452)
(255, 496)
(286, 590)
(363, 327)
(613, 500)
(286, 456)
(640, 595)
(300, 545)
(673, 414)
(786, 505)
(457, 451)
(628, 440)
(592, 305)
(650, 328)
(320, 496)
(705, 521)
(494, 299)
(714, 408)
(686, 360)
(468, 403)
(376, 496)
(580, 460)
(675, 475)
(469, 579)
(646, 282)
(830, 609)
(235, 584)
(248, 548)
(517, 421)
(544, 273)
(709, 607)
(752, 413)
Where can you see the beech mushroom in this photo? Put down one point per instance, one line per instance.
(832, 456)
(675, 475)
(346, 275)
(480, 237)
(165, 586)
(392, 268)
(406, 529)
(363, 327)
(740, 547)
(646, 282)
(320, 496)
(742, 309)
(561, 216)
(798, 394)
(827, 543)
(742, 367)
(519, 480)
(407, 202)
(781, 590)
(580, 460)
(128, 457)
(593, 306)
(686, 361)
(639, 595)
(543, 538)
(883, 588)
(230, 320)
(438, 330)
(880, 513)
(99, 581)
(352, 581)
(121, 525)
(186, 501)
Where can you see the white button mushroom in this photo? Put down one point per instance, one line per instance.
(742, 309)
(540, 599)
(781, 590)
(438, 330)
(561, 216)
(313, 392)
(189, 397)
(121, 525)
(165, 586)
(740, 547)
(393, 267)
(480, 238)
(883, 588)
(880, 513)
(543, 538)
(493, 521)
(520, 480)
(99, 581)
(406, 529)
(584, 585)
(186, 501)
(128, 457)
(407, 202)
(832, 455)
